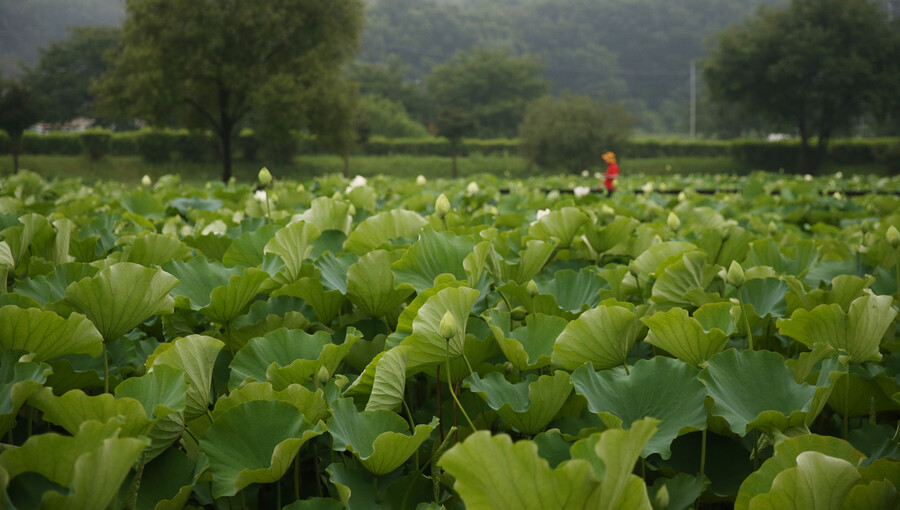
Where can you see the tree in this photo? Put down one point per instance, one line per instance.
(454, 124)
(814, 65)
(66, 69)
(211, 64)
(18, 111)
(572, 133)
(492, 87)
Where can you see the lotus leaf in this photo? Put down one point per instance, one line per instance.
(680, 280)
(248, 249)
(527, 406)
(427, 346)
(649, 262)
(50, 288)
(167, 481)
(603, 336)
(722, 250)
(818, 481)
(326, 303)
(661, 388)
(92, 465)
(122, 296)
(375, 231)
(531, 346)
(161, 391)
(857, 332)
(379, 439)
(560, 226)
(529, 263)
(326, 213)
(433, 254)
(575, 292)
(682, 491)
(389, 382)
(607, 237)
(46, 334)
(766, 296)
(310, 403)
(198, 278)
(254, 442)
(293, 244)
(371, 285)
(334, 270)
(71, 410)
(153, 249)
(18, 381)
(691, 339)
(793, 260)
(230, 301)
(195, 355)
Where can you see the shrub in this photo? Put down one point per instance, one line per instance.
(155, 146)
(66, 144)
(96, 143)
(194, 146)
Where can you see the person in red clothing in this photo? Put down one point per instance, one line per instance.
(612, 173)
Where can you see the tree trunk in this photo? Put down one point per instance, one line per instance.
(346, 157)
(803, 162)
(16, 149)
(226, 137)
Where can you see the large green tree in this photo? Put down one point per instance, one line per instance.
(18, 111)
(492, 87)
(63, 75)
(212, 63)
(814, 66)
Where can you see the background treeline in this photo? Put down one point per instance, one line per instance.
(158, 146)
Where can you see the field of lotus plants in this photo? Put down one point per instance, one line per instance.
(410, 344)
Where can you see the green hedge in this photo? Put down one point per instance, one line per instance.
(164, 145)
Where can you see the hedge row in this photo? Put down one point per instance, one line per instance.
(164, 145)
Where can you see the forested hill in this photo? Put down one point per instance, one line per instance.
(26, 25)
(636, 51)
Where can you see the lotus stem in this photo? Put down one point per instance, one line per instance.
(450, 385)
(131, 498)
(4, 273)
(412, 427)
(297, 477)
(278, 493)
(845, 426)
(625, 364)
(316, 467)
(105, 369)
(268, 212)
(703, 454)
(437, 387)
(746, 321)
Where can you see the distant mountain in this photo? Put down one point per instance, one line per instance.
(26, 25)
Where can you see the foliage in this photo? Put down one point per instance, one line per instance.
(387, 118)
(19, 109)
(813, 66)
(571, 133)
(248, 58)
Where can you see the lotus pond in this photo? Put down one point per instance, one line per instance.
(335, 344)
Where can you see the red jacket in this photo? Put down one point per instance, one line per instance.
(612, 173)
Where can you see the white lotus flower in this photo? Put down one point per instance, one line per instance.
(581, 191)
(807, 177)
(839, 175)
(837, 195)
(261, 195)
(472, 188)
(598, 175)
(358, 181)
(647, 188)
(682, 197)
(541, 213)
(421, 180)
(146, 181)
(585, 173)
(605, 209)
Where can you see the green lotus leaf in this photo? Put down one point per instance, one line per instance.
(689, 274)
(212, 246)
(254, 442)
(50, 288)
(143, 202)
(614, 233)
(661, 388)
(317, 503)
(766, 296)
(528, 406)
(818, 481)
(293, 244)
(433, 254)
(426, 345)
(152, 249)
(248, 249)
(529, 263)
(376, 231)
(240, 335)
(379, 439)
(603, 336)
(575, 292)
(653, 259)
(723, 251)
(92, 464)
(198, 278)
(481, 262)
(310, 403)
(326, 303)
(122, 296)
(877, 495)
(161, 391)
(326, 213)
(370, 285)
(489, 473)
(185, 205)
(389, 382)
(195, 355)
(560, 225)
(6, 256)
(74, 408)
(794, 260)
(46, 334)
(687, 338)
(18, 381)
(334, 270)
(857, 332)
(230, 301)
(355, 487)
(862, 395)
(756, 390)
(615, 277)
(546, 304)
(531, 346)
(167, 481)
(682, 490)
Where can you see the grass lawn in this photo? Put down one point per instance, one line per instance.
(132, 168)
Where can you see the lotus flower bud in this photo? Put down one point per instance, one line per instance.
(421, 180)
(351, 210)
(864, 227)
(892, 236)
(322, 376)
(264, 176)
(773, 228)
(662, 498)
(735, 275)
(472, 188)
(442, 206)
(146, 181)
(605, 209)
(531, 288)
(673, 222)
(518, 313)
(448, 326)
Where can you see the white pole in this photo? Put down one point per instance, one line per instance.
(693, 100)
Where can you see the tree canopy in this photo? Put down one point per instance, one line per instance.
(215, 64)
(18, 111)
(814, 66)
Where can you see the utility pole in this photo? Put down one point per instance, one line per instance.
(693, 100)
